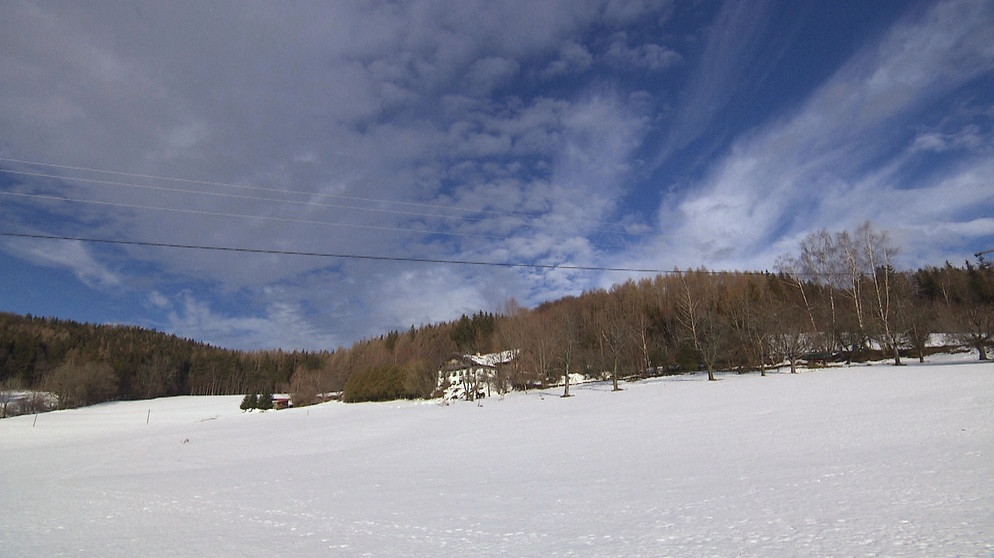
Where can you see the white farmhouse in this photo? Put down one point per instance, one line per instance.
(472, 374)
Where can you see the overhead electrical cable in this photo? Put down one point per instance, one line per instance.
(48, 197)
(530, 219)
(230, 196)
(334, 255)
(263, 189)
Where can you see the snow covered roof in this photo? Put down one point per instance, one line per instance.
(493, 359)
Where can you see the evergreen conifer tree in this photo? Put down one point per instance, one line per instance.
(265, 401)
(251, 401)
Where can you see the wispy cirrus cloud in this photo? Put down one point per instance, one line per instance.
(842, 157)
(73, 256)
(730, 43)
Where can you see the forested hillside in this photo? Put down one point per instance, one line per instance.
(837, 298)
(85, 364)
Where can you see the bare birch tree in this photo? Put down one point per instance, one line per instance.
(878, 259)
(568, 321)
(699, 317)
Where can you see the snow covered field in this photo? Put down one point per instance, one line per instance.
(861, 461)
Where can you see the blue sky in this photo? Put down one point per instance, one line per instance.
(605, 134)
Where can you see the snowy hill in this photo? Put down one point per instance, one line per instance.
(861, 461)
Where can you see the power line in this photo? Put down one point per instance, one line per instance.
(334, 255)
(48, 197)
(229, 196)
(258, 188)
(530, 219)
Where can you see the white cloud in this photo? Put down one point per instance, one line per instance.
(71, 255)
(731, 39)
(813, 169)
(969, 138)
(487, 73)
(599, 137)
(649, 56)
(574, 58)
(621, 12)
(195, 319)
(159, 300)
(282, 324)
(427, 295)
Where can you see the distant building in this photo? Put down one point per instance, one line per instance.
(474, 374)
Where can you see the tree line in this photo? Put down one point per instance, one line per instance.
(837, 297)
(85, 364)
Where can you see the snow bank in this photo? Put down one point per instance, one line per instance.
(860, 461)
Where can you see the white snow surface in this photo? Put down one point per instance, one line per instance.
(859, 461)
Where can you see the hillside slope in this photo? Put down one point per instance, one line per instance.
(860, 461)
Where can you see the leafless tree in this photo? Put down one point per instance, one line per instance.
(791, 339)
(856, 268)
(568, 322)
(796, 274)
(922, 317)
(877, 257)
(540, 345)
(305, 386)
(79, 384)
(820, 263)
(512, 333)
(698, 314)
(751, 312)
(615, 329)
